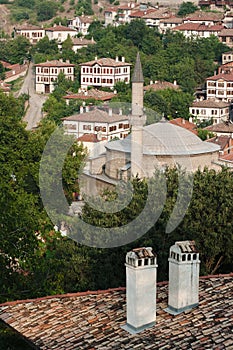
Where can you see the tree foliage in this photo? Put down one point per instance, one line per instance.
(186, 8)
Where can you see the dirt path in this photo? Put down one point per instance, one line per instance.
(5, 24)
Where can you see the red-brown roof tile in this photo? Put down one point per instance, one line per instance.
(224, 76)
(55, 63)
(93, 320)
(160, 85)
(105, 62)
(97, 115)
(58, 28)
(92, 93)
(184, 124)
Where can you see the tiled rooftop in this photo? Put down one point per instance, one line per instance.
(184, 124)
(59, 28)
(98, 116)
(55, 63)
(222, 141)
(226, 32)
(82, 41)
(198, 27)
(227, 77)
(221, 127)
(93, 320)
(205, 16)
(106, 62)
(161, 85)
(210, 104)
(92, 93)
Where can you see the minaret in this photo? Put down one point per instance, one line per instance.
(137, 120)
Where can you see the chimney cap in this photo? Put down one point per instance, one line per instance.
(141, 257)
(186, 246)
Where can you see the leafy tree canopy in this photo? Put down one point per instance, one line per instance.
(186, 8)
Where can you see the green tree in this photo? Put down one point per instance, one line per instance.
(187, 7)
(46, 10)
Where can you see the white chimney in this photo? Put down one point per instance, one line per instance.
(122, 59)
(96, 58)
(81, 109)
(117, 59)
(151, 82)
(87, 108)
(183, 288)
(120, 111)
(110, 112)
(141, 274)
(175, 82)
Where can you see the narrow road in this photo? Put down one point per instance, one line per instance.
(34, 113)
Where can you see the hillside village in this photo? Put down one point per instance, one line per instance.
(145, 90)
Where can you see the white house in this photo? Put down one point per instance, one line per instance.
(79, 43)
(32, 33)
(220, 86)
(46, 74)
(191, 29)
(227, 57)
(169, 23)
(204, 17)
(209, 110)
(81, 24)
(104, 72)
(105, 124)
(60, 33)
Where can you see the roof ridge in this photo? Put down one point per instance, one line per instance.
(98, 292)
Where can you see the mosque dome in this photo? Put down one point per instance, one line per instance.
(164, 138)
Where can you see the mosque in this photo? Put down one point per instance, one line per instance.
(146, 148)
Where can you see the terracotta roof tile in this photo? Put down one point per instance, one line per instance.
(82, 41)
(199, 27)
(210, 104)
(54, 63)
(92, 93)
(222, 141)
(60, 29)
(224, 76)
(97, 115)
(184, 124)
(93, 320)
(205, 16)
(105, 62)
(221, 127)
(161, 85)
(226, 32)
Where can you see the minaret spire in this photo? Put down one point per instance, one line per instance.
(137, 120)
(137, 74)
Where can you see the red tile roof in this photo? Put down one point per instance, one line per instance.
(105, 62)
(90, 138)
(221, 128)
(205, 16)
(198, 27)
(93, 320)
(160, 85)
(211, 104)
(55, 63)
(184, 124)
(141, 13)
(59, 28)
(82, 41)
(92, 93)
(227, 157)
(97, 115)
(222, 141)
(224, 76)
(226, 32)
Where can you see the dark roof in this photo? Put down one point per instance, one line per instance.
(93, 320)
(137, 74)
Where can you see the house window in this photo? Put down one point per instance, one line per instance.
(86, 127)
(120, 126)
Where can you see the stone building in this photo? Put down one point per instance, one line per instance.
(158, 145)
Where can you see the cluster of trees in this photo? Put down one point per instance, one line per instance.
(34, 10)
